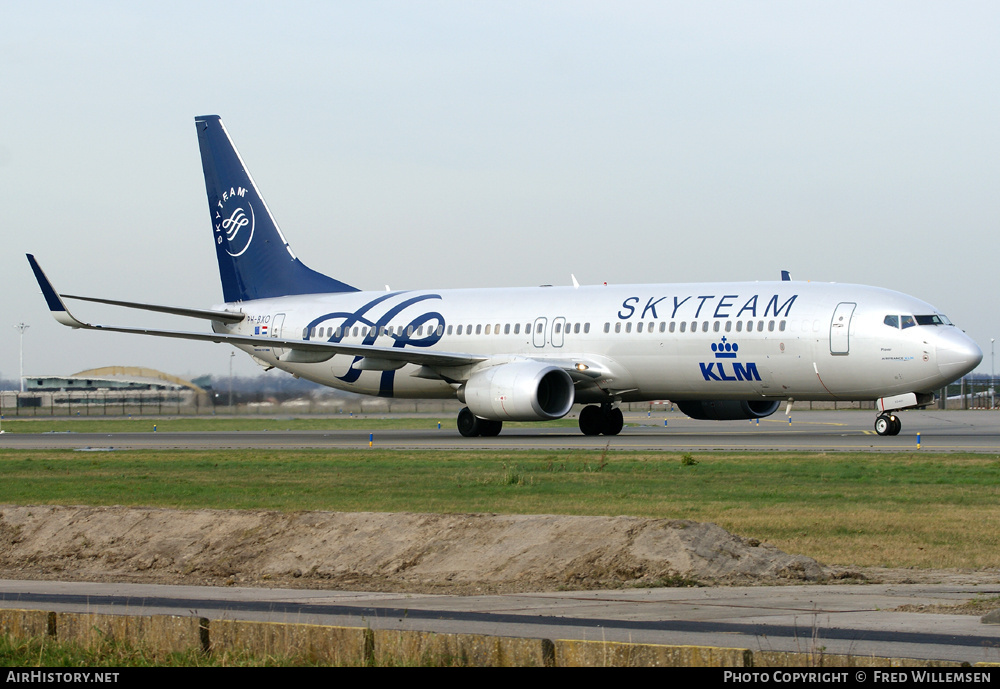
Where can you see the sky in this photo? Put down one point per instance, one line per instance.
(470, 144)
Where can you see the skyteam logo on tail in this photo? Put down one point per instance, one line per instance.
(234, 221)
(716, 370)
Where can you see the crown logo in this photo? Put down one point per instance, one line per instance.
(725, 350)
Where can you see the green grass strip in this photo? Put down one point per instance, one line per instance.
(904, 509)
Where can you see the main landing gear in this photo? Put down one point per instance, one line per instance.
(604, 419)
(888, 424)
(594, 420)
(471, 425)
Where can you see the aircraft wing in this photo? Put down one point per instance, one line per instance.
(221, 316)
(299, 350)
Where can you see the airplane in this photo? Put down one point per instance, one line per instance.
(718, 351)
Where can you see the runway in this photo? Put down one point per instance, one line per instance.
(860, 621)
(810, 431)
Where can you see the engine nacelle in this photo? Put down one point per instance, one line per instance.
(519, 391)
(728, 410)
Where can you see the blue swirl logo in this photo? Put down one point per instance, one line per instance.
(375, 327)
(237, 236)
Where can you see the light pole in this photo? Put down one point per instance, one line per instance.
(992, 385)
(21, 327)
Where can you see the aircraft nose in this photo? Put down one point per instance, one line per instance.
(957, 354)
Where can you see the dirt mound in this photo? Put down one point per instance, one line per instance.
(457, 553)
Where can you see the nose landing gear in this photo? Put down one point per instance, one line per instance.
(888, 424)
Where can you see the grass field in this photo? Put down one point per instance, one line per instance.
(895, 510)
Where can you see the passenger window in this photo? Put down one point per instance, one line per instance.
(781, 326)
(618, 327)
(479, 329)
(892, 321)
(628, 327)
(716, 326)
(638, 328)
(760, 326)
(517, 328)
(729, 326)
(607, 327)
(694, 326)
(449, 329)
(460, 330)
(506, 329)
(558, 328)
(672, 326)
(683, 326)
(770, 326)
(586, 328)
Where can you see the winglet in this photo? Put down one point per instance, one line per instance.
(52, 298)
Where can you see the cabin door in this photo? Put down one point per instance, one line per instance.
(840, 328)
(538, 331)
(276, 323)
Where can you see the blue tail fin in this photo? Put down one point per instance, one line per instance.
(255, 261)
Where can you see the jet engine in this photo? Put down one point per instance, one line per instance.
(519, 391)
(728, 410)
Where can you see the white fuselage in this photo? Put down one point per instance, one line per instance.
(698, 341)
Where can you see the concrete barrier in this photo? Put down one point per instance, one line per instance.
(163, 633)
(392, 647)
(306, 642)
(612, 654)
(362, 646)
(20, 625)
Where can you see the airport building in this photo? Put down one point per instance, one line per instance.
(111, 389)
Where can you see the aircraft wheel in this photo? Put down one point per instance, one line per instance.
(883, 425)
(897, 425)
(614, 421)
(591, 420)
(469, 424)
(489, 428)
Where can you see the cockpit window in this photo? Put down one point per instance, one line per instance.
(894, 321)
(936, 319)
